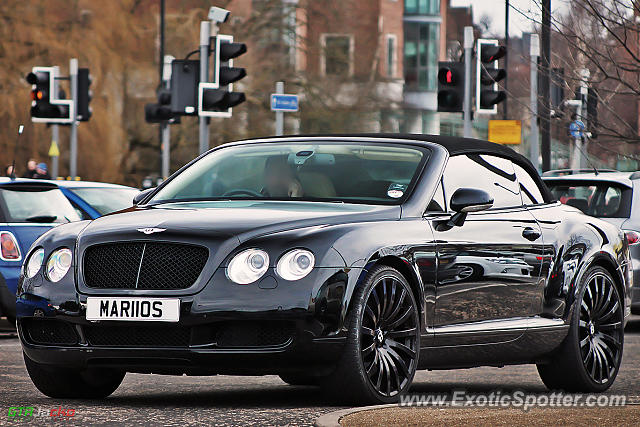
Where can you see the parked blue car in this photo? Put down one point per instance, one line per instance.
(30, 207)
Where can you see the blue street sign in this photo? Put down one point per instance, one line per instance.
(282, 102)
(576, 129)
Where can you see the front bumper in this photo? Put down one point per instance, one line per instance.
(224, 329)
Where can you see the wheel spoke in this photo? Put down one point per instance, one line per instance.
(609, 326)
(403, 348)
(586, 308)
(387, 371)
(398, 306)
(369, 349)
(381, 366)
(371, 314)
(609, 338)
(384, 298)
(606, 302)
(373, 364)
(610, 313)
(377, 304)
(367, 331)
(402, 333)
(584, 342)
(393, 371)
(400, 363)
(589, 354)
(400, 320)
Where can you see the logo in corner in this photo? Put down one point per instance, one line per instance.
(151, 230)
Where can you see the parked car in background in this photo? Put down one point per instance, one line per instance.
(611, 196)
(30, 207)
(94, 199)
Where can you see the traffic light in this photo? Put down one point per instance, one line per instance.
(185, 76)
(45, 106)
(487, 75)
(217, 98)
(450, 86)
(161, 111)
(84, 95)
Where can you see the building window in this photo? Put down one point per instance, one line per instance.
(337, 55)
(392, 42)
(421, 55)
(421, 7)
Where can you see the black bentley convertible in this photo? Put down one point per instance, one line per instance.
(347, 262)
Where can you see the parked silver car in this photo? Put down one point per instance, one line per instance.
(610, 195)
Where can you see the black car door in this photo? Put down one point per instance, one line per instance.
(488, 268)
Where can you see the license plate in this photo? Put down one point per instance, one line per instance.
(134, 309)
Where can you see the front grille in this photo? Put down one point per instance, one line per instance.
(253, 334)
(143, 265)
(138, 336)
(49, 331)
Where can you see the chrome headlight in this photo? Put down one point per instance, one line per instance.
(33, 264)
(295, 264)
(58, 264)
(248, 266)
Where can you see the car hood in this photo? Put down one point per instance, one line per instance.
(242, 219)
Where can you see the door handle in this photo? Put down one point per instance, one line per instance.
(531, 234)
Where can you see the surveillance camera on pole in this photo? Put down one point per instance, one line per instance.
(218, 14)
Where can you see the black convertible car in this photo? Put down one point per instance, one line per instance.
(347, 262)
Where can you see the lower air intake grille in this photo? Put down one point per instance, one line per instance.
(138, 336)
(253, 334)
(49, 331)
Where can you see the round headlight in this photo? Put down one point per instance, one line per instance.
(34, 263)
(58, 264)
(295, 264)
(248, 266)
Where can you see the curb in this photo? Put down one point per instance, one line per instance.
(332, 419)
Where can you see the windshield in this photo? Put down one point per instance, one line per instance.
(37, 205)
(343, 172)
(599, 199)
(106, 200)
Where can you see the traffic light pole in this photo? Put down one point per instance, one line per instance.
(279, 114)
(466, 107)
(533, 139)
(54, 134)
(544, 89)
(73, 143)
(205, 37)
(164, 126)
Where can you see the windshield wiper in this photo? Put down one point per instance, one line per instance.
(41, 218)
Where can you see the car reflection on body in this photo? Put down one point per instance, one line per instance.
(328, 260)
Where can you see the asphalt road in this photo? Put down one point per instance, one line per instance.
(225, 400)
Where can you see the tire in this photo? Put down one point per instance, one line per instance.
(589, 358)
(381, 354)
(299, 379)
(66, 383)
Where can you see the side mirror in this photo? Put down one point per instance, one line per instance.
(463, 201)
(466, 200)
(141, 195)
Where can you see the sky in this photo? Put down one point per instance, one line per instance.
(518, 23)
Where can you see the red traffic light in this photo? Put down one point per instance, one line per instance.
(448, 76)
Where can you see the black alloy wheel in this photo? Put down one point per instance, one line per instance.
(600, 328)
(381, 355)
(589, 358)
(388, 336)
